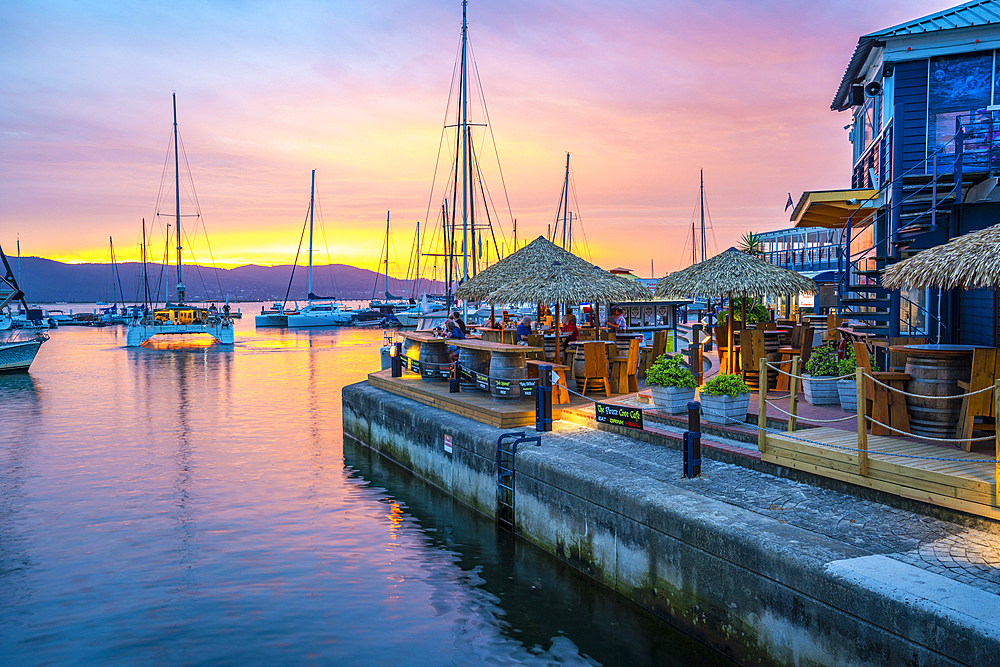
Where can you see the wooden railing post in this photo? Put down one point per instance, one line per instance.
(862, 424)
(793, 394)
(762, 406)
(996, 453)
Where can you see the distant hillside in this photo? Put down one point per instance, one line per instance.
(47, 281)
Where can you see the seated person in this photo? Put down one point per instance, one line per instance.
(523, 330)
(490, 323)
(569, 326)
(456, 333)
(458, 321)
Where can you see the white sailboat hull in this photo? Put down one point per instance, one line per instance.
(137, 334)
(18, 355)
(324, 315)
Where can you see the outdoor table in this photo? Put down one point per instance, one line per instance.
(935, 370)
(497, 335)
(435, 362)
(507, 364)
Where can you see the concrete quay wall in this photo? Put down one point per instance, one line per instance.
(758, 590)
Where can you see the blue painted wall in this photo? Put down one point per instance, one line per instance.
(911, 90)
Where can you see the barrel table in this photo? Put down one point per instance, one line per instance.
(935, 370)
(435, 362)
(505, 365)
(473, 360)
(579, 365)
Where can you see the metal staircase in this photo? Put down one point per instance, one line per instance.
(910, 213)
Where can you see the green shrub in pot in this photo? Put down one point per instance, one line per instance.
(671, 383)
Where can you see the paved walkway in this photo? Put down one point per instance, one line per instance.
(968, 553)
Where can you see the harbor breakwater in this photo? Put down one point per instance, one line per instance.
(756, 588)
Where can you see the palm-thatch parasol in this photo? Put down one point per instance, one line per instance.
(971, 261)
(542, 271)
(733, 272)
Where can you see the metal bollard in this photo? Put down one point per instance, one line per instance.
(692, 441)
(396, 359)
(455, 381)
(543, 399)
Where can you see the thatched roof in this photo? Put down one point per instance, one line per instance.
(736, 272)
(542, 271)
(971, 261)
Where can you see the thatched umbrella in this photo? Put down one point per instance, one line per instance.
(541, 272)
(733, 272)
(971, 261)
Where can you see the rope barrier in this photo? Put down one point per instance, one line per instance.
(807, 419)
(785, 434)
(924, 437)
(812, 378)
(906, 393)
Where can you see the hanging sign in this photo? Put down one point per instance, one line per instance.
(482, 381)
(527, 387)
(502, 387)
(618, 415)
(415, 366)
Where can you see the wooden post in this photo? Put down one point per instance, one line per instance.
(862, 424)
(558, 359)
(793, 395)
(996, 453)
(762, 406)
(730, 366)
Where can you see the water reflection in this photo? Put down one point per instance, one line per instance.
(169, 505)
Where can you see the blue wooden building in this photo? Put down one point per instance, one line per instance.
(923, 98)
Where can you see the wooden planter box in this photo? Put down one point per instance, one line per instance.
(734, 408)
(673, 400)
(848, 390)
(820, 392)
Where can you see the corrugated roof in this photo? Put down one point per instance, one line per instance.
(966, 15)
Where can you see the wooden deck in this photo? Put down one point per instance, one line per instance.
(476, 404)
(963, 484)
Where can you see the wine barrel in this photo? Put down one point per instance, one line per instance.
(411, 349)
(505, 371)
(931, 377)
(474, 360)
(434, 361)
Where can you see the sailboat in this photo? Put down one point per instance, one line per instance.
(180, 317)
(16, 354)
(318, 312)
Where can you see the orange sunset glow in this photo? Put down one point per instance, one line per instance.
(642, 95)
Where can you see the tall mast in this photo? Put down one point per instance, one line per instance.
(177, 206)
(702, 199)
(417, 282)
(570, 242)
(387, 254)
(145, 267)
(464, 129)
(312, 200)
(565, 201)
(694, 246)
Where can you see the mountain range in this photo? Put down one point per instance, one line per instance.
(49, 281)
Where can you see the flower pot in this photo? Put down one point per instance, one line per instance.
(820, 391)
(725, 409)
(673, 400)
(848, 390)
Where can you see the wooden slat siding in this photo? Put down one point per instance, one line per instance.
(975, 317)
(910, 89)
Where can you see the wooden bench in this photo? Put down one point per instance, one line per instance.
(560, 394)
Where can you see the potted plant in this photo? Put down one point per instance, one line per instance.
(671, 383)
(725, 398)
(822, 363)
(848, 387)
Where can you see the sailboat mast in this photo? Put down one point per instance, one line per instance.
(117, 275)
(387, 254)
(145, 268)
(464, 129)
(177, 205)
(417, 282)
(565, 202)
(702, 199)
(570, 242)
(312, 200)
(694, 246)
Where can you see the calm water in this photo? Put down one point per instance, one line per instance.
(200, 506)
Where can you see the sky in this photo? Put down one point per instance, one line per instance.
(642, 94)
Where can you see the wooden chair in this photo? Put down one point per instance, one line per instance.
(881, 404)
(833, 322)
(595, 365)
(721, 333)
(803, 336)
(985, 370)
(587, 334)
(536, 340)
(768, 326)
(751, 352)
(623, 370)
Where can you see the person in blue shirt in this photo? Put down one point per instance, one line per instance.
(453, 332)
(523, 330)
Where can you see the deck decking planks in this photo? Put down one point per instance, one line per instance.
(967, 484)
(476, 404)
